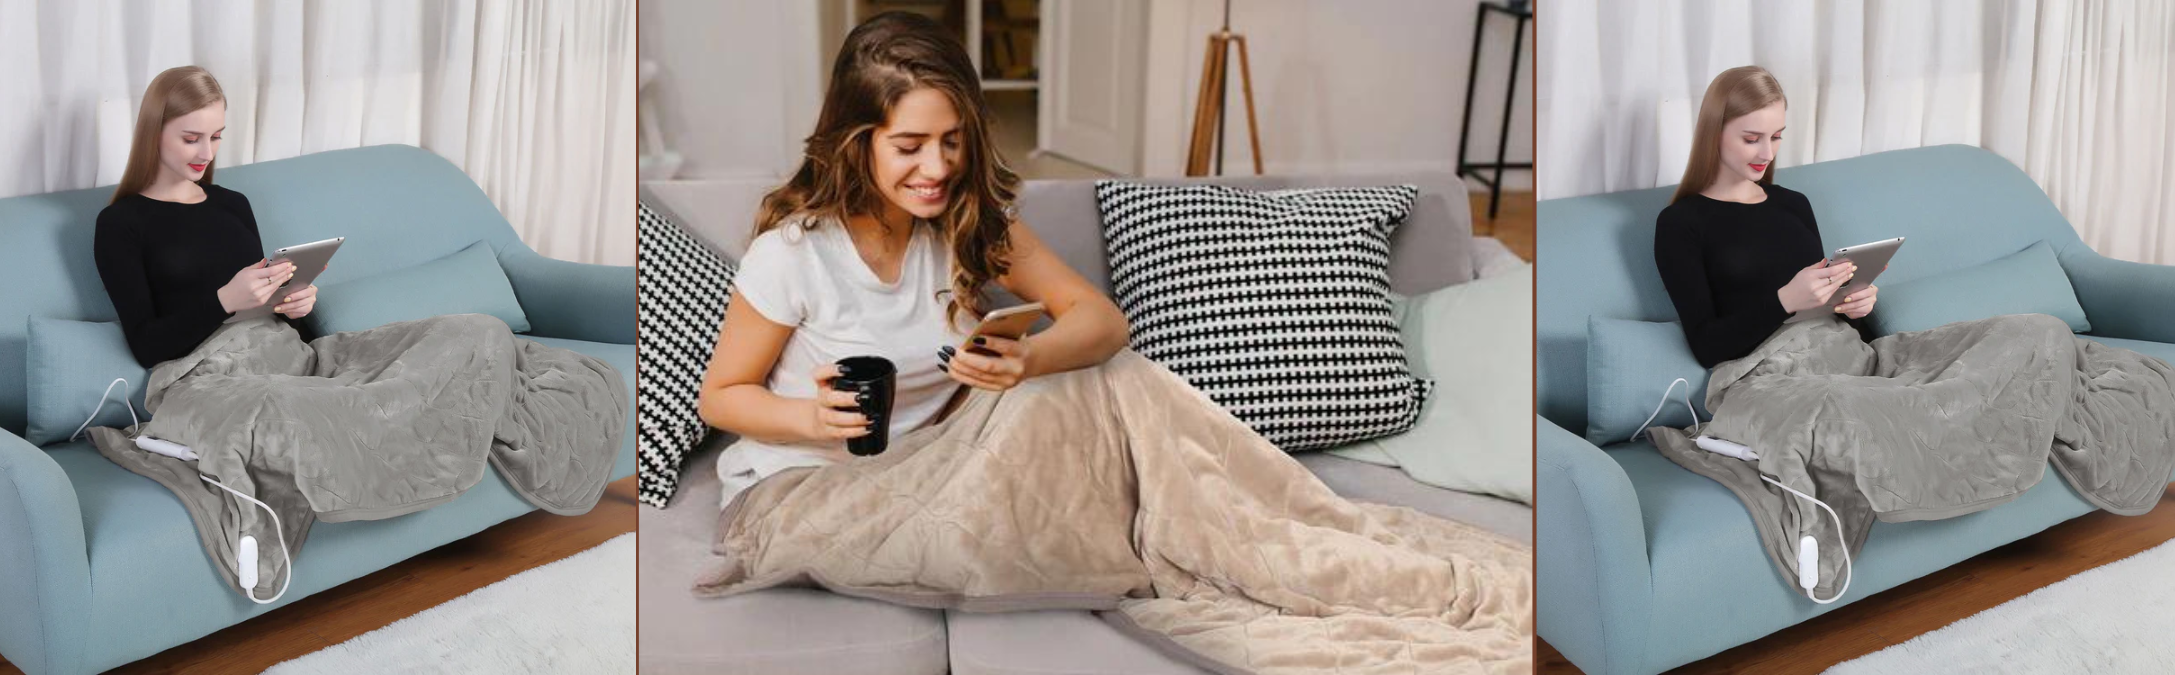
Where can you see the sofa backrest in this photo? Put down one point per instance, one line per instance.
(1958, 205)
(397, 205)
(1432, 249)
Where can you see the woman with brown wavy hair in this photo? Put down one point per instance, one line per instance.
(172, 248)
(881, 243)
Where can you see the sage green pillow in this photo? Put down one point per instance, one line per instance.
(69, 365)
(467, 282)
(2030, 281)
(1475, 433)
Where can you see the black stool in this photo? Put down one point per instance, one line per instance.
(1523, 15)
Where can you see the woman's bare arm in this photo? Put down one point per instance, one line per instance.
(736, 398)
(1087, 327)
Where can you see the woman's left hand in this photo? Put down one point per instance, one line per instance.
(995, 364)
(1859, 304)
(298, 304)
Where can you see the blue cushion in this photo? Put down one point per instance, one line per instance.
(2030, 281)
(1629, 365)
(467, 282)
(68, 365)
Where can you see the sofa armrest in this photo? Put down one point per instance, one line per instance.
(45, 567)
(571, 300)
(1595, 585)
(2123, 299)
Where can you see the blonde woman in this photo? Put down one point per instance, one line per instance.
(172, 248)
(881, 244)
(1738, 253)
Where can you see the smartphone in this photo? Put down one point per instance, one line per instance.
(1010, 323)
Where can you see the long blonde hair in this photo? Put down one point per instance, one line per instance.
(176, 92)
(1735, 93)
(882, 60)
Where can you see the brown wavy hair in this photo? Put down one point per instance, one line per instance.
(883, 59)
(1735, 93)
(176, 92)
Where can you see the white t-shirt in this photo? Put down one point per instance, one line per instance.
(807, 274)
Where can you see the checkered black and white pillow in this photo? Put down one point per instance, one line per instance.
(681, 292)
(1274, 304)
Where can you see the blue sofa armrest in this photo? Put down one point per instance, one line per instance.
(45, 570)
(2123, 299)
(571, 300)
(1595, 584)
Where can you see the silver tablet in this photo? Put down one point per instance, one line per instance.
(309, 259)
(1871, 258)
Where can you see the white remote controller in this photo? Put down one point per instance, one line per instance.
(1722, 447)
(1808, 562)
(166, 447)
(246, 562)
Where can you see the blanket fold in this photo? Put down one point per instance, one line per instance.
(1927, 425)
(368, 425)
(1121, 488)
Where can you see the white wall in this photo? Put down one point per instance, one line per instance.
(1339, 87)
(738, 83)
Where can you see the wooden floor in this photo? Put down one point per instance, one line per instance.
(1904, 612)
(396, 592)
(1513, 222)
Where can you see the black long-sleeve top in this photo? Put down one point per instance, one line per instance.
(164, 262)
(1723, 261)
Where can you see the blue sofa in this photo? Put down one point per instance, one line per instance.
(1643, 566)
(100, 566)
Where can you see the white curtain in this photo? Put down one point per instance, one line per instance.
(2077, 92)
(533, 99)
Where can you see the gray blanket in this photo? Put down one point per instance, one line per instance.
(1929, 424)
(368, 425)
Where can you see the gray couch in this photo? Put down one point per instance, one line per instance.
(788, 631)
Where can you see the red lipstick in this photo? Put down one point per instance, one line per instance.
(199, 167)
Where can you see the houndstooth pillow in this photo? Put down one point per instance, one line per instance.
(1274, 304)
(681, 292)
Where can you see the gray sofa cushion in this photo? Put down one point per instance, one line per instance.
(1050, 642)
(782, 631)
(1432, 249)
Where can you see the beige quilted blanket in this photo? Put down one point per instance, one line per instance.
(1121, 488)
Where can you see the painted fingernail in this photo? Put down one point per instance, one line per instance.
(946, 367)
(945, 357)
(981, 340)
(948, 349)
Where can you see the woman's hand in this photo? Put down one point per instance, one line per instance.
(1002, 366)
(299, 303)
(826, 421)
(1859, 304)
(1814, 285)
(254, 285)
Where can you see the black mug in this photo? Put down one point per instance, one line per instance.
(873, 378)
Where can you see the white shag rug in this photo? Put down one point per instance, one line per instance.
(573, 615)
(2115, 618)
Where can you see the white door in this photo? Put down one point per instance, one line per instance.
(1091, 82)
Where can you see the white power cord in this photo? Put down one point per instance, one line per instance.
(1808, 548)
(1665, 401)
(134, 422)
(246, 553)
